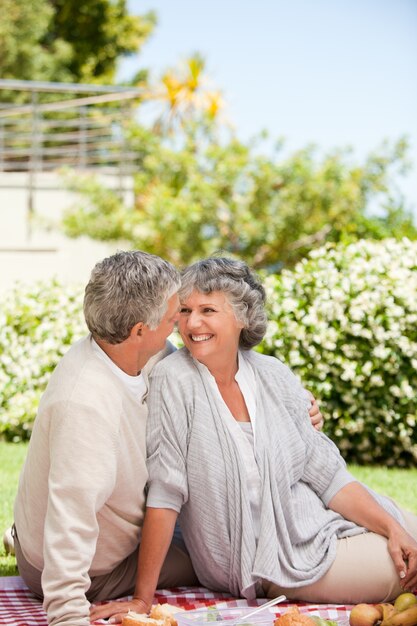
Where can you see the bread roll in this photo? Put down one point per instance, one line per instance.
(293, 617)
(141, 619)
(160, 615)
(166, 612)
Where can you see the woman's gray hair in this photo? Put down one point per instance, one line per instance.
(241, 287)
(127, 288)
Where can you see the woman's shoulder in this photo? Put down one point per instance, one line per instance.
(266, 365)
(176, 376)
(265, 362)
(179, 362)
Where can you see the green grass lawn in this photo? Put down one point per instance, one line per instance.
(396, 483)
(12, 456)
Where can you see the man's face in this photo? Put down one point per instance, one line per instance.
(154, 340)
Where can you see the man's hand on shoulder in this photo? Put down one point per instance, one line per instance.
(316, 417)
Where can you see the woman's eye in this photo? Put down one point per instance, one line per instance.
(184, 310)
(208, 310)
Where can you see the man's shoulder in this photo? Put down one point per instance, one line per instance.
(79, 356)
(80, 374)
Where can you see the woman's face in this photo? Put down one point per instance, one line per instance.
(209, 328)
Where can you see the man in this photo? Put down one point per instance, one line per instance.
(80, 502)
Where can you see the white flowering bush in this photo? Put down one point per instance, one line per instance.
(345, 320)
(38, 323)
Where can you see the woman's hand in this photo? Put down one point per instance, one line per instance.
(403, 551)
(157, 531)
(355, 503)
(116, 611)
(315, 415)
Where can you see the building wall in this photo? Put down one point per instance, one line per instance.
(41, 251)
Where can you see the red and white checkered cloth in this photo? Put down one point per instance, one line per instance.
(18, 607)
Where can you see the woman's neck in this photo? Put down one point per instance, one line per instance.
(224, 372)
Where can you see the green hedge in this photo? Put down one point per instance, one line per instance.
(345, 320)
(37, 326)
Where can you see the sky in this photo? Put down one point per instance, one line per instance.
(335, 73)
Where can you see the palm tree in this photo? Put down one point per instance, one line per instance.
(185, 96)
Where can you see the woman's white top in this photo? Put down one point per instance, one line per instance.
(244, 434)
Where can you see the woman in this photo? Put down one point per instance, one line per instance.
(266, 504)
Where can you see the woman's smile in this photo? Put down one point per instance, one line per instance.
(201, 337)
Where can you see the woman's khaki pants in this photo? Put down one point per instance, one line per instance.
(362, 571)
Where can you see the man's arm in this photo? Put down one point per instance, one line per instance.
(316, 417)
(81, 478)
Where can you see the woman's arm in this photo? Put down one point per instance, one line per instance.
(354, 503)
(158, 528)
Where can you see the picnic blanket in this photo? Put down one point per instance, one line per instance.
(18, 607)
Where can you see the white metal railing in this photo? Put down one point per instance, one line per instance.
(54, 130)
(50, 126)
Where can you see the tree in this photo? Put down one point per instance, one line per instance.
(206, 194)
(22, 27)
(184, 95)
(99, 33)
(68, 40)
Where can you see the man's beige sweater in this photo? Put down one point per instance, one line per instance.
(80, 502)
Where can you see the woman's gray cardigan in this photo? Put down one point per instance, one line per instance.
(195, 468)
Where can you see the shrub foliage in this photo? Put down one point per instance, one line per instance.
(345, 320)
(37, 326)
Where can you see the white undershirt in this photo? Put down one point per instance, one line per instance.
(135, 384)
(253, 481)
(244, 434)
(246, 380)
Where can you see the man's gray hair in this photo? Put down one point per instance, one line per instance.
(127, 288)
(241, 287)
